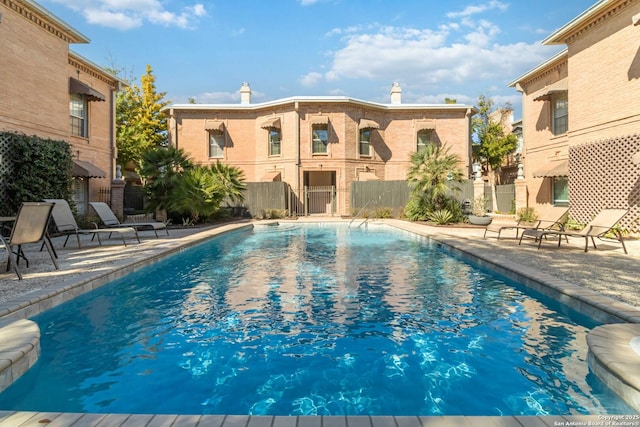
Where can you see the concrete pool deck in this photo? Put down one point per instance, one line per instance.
(603, 280)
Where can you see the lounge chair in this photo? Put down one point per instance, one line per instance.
(601, 225)
(66, 224)
(109, 219)
(30, 227)
(549, 218)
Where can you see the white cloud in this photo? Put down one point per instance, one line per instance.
(226, 97)
(238, 32)
(128, 14)
(310, 79)
(474, 10)
(453, 54)
(105, 18)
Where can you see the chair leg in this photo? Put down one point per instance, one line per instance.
(52, 252)
(48, 238)
(619, 235)
(20, 254)
(11, 262)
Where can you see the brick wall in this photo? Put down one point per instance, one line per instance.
(246, 142)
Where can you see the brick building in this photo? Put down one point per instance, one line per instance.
(581, 115)
(49, 91)
(319, 141)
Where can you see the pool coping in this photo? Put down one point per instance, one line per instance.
(24, 350)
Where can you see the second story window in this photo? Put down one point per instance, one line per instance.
(560, 114)
(320, 139)
(424, 137)
(78, 113)
(365, 142)
(216, 144)
(275, 137)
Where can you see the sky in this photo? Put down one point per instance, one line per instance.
(206, 49)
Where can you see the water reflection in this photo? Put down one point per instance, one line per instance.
(328, 320)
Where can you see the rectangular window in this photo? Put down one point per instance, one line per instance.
(560, 191)
(560, 115)
(320, 139)
(216, 144)
(274, 142)
(365, 142)
(78, 113)
(424, 139)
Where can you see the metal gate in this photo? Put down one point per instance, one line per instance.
(320, 200)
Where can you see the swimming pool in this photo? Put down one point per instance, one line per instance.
(316, 319)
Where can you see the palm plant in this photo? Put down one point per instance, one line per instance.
(160, 169)
(231, 180)
(197, 194)
(434, 175)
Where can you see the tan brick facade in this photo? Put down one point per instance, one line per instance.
(246, 143)
(35, 73)
(599, 74)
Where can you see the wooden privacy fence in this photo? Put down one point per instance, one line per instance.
(379, 195)
(261, 197)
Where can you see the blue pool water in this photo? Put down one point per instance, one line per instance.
(313, 320)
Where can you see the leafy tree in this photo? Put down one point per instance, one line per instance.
(153, 120)
(140, 123)
(492, 141)
(434, 178)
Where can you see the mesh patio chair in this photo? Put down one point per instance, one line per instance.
(66, 224)
(30, 226)
(549, 218)
(602, 225)
(109, 219)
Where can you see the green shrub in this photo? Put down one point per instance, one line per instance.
(273, 214)
(40, 169)
(528, 214)
(440, 217)
(417, 208)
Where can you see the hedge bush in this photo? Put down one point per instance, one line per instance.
(38, 168)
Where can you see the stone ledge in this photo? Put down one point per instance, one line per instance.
(614, 361)
(20, 349)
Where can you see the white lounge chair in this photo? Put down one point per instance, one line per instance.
(66, 224)
(109, 219)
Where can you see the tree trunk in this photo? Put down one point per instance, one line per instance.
(493, 180)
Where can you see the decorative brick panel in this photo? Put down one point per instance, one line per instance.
(603, 176)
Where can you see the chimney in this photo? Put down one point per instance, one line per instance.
(245, 93)
(396, 93)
